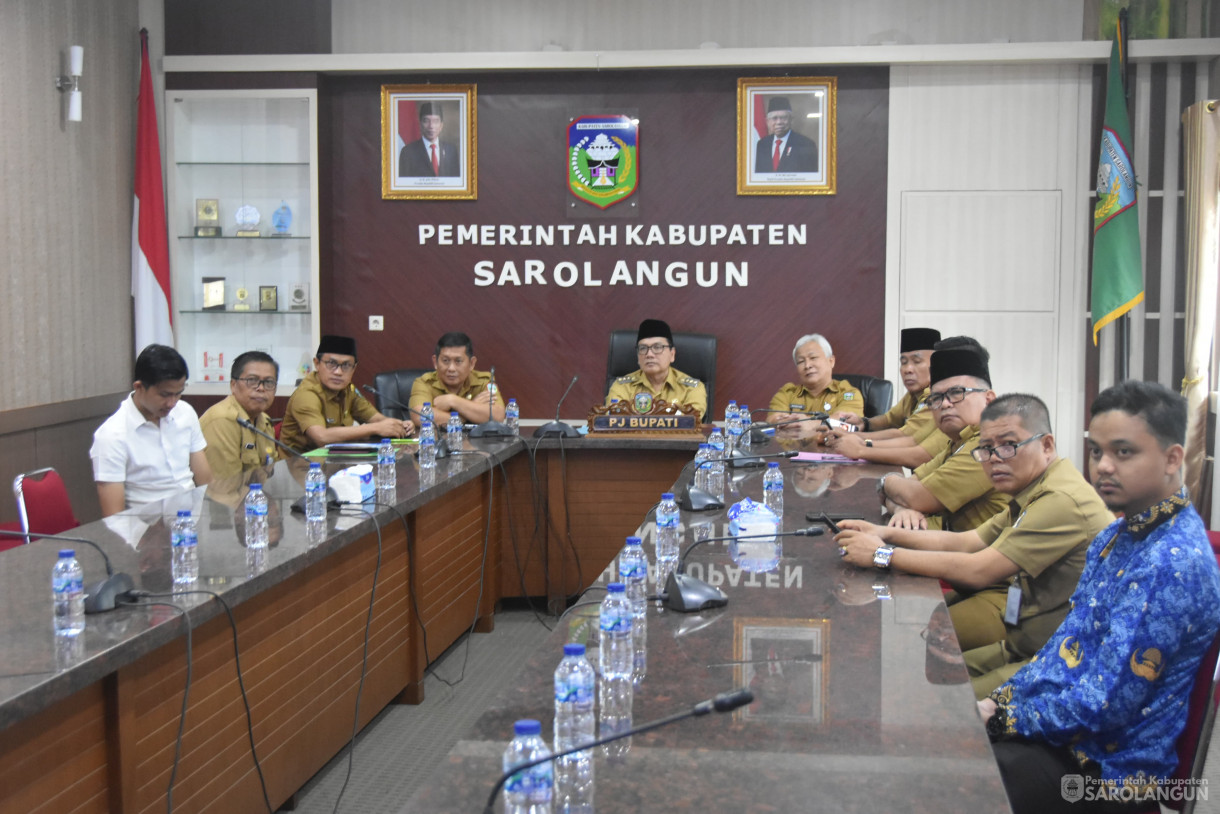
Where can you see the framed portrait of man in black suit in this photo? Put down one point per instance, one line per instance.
(786, 135)
(429, 147)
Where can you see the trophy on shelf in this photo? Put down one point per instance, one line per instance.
(207, 217)
(247, 221)
(298, 297)
(243, 300)
(281, 221)
(268, 298)
(213, 293)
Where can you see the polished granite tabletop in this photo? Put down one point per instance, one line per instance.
(862, 702)
(37, 668)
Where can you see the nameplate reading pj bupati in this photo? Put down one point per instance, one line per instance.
(645, 414)
(628, 423)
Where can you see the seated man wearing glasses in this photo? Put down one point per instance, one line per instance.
(455, 386)
(657, 378)
(326, 406)
(232, 448)
(1015, 573)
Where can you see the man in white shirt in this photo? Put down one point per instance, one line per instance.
(152, 447)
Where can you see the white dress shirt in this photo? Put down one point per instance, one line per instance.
(152, 461)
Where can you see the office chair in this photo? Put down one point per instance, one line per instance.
(394, 389)
(878, 393)
(696, 356)
(42, 503)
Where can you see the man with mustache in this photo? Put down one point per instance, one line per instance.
(231, 447)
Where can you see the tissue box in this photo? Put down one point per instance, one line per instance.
(354, 484)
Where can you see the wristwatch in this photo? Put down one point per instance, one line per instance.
(997, 724)
(868, 443)
(882, 556)
(881, 483)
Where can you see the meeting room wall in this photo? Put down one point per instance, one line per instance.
(65, 206)
(538, 335)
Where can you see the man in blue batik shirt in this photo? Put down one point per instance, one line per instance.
(1106, 698)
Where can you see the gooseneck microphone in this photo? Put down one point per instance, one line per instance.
(692, 499)
(491, 428)
(102, 595)
(686, 594)
(738, 458)
(724, 702)
(558, 427)
(442, 441)
(766, 429)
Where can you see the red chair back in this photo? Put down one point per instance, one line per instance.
(42, 503)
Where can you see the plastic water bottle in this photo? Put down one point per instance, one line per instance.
(633, 573)
(256, 517)
(425, 413)
(773, 489)
(667, 537)
(315, 494)
(733, 425)
(427, 430)
(729, 412)
(68, 594)
(427, 454)
(716, 470)
(528, 791)
(453, 432)
(387, 469)
(701, 466)
(575, 724)
(512, 417)
(615, 623)
(183, 541)
(743, 416)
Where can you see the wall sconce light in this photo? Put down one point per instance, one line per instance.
(70, 82)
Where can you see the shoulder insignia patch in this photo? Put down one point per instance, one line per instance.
(690, 381)
(848, 396)
(628, 379)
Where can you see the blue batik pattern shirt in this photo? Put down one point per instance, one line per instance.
(1113, 682)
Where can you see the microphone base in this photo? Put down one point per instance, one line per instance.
(697, 500)
(739, 459)
(685, 594)
(762, 436)
(556, 428)
(101, 596)
(491, 429)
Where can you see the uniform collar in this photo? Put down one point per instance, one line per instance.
(1142, 524)
(135, 418)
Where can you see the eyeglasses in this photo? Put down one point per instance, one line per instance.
(332, 365)
(1002, 451)
(644, 350)
(953, 395)
(255, 383)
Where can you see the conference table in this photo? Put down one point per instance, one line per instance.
(861, 698)
(90, 724)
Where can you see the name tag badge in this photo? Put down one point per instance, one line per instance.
(796, 408)
(1012, 609)
(250, 446)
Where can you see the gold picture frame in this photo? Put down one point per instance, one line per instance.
(807, 160)
(417, 164)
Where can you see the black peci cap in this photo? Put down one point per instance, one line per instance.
(959, 362)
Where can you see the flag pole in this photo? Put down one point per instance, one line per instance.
(1122, 333)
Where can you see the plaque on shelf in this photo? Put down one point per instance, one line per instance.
(298, 297)
(281, 221)
(247, 221)
(243, 300)
(207, 217)
(268, 298)
(213, 293)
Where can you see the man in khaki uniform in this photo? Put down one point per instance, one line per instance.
(893, 437)
(326, 406)
(231, 447)
(456, 386)
(951, 491)
(657, 377)
(1016, 572)
(816, 392)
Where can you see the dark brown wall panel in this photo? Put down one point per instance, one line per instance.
(538, 336)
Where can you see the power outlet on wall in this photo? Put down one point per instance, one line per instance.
(376, 323)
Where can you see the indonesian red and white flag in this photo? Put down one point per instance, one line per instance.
(149, 238)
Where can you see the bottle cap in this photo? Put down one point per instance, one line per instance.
(67, 552)
(427, 404)
(256, 487)
(616, 587)
(527, 726)
(184, 512)
(667, 496)
(772, 464)
(634, 541)
(512, 401)
(574, 649)
(315, 465)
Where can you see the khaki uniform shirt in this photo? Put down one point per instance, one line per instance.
(839, 397)
(312, 405)
(962, 487)
(912, 416)
(678, 388)
(428, 386)
(1046, 532)
(231, 447)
